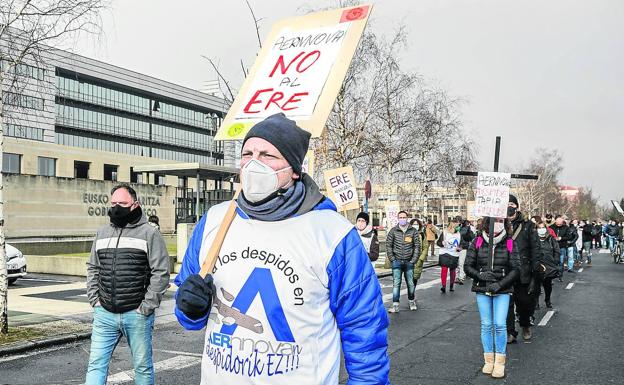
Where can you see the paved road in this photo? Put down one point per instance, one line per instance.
(439, 344)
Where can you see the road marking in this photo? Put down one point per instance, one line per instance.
(45, 280)
(570, 285)
(174, 363)
(178, 352)
(423, 286)
(580, 270)
(546, 318)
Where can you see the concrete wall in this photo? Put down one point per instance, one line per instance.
(58, 264)
(53, 207)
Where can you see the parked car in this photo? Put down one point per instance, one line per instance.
(16, 263)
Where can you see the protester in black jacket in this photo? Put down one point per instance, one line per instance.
(587, 236)
(525, 295)
(493, 278)
(549, 250)
(466, 236)
(562, 231)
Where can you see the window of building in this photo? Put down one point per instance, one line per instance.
(18, 131)
(46, 166)
(23, 101)
(11, 163)
(135, 177)
(159, 180)
(81, 169)
(110, 172)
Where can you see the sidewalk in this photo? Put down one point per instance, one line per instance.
(50, 310)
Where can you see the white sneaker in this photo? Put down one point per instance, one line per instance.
(412, 305)
(394, 308)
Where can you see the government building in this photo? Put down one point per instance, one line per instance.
(74, 127)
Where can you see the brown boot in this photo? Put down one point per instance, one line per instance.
(527, 333)
(489, 363)
(499, 366)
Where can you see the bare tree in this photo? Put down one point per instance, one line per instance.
(543, 195)
(29, 29)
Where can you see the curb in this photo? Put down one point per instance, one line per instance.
(24, 346)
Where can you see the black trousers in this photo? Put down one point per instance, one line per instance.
(525, 307)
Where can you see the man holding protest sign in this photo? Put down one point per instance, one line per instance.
(292, 284)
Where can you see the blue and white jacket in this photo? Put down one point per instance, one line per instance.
(289, 295)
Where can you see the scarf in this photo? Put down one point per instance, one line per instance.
(366, 230)
(497, 238)
(282, 205)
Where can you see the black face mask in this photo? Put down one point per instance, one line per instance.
(511, 211)
(120, 216)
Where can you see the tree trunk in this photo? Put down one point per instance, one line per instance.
(4, 283)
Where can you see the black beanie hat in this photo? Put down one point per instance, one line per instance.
(513, 199)
(291, 141)
(364, 216)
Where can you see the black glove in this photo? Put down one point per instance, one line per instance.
(487, 276)
(194, 297)
(493, 288)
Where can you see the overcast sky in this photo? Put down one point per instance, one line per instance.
(538, 73)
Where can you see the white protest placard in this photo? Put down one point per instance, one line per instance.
(392, 213)
(617, 207)
(492, 194)
(341, 188)
(298, 72)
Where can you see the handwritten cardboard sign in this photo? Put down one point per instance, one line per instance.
(341, 188)
(492, 194)
(298, 72)
(392, 214)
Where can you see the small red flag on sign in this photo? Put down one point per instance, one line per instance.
(352, 14)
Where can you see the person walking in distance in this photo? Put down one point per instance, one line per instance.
(419, 265)
(563, 235)
(493, 277)
(549, 260)
(432, 233)
(449, 243)
(403, 250)
(586, 236)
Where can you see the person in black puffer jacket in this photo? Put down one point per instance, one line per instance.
(549, 250)
(526, 289)
(493, 278)
(563, 235)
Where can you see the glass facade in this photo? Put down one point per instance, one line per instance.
(110, 118)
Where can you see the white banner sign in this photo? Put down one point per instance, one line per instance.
(492, 195)
(392, 213)
(618, 207)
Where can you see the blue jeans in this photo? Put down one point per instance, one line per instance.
(587, 249)
(571, 257)
(611, 241)
(493, 312)
(108, 328)
(407, 270)
(563, 256)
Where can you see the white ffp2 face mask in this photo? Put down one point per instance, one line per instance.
(259, 180)
(498, 227)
